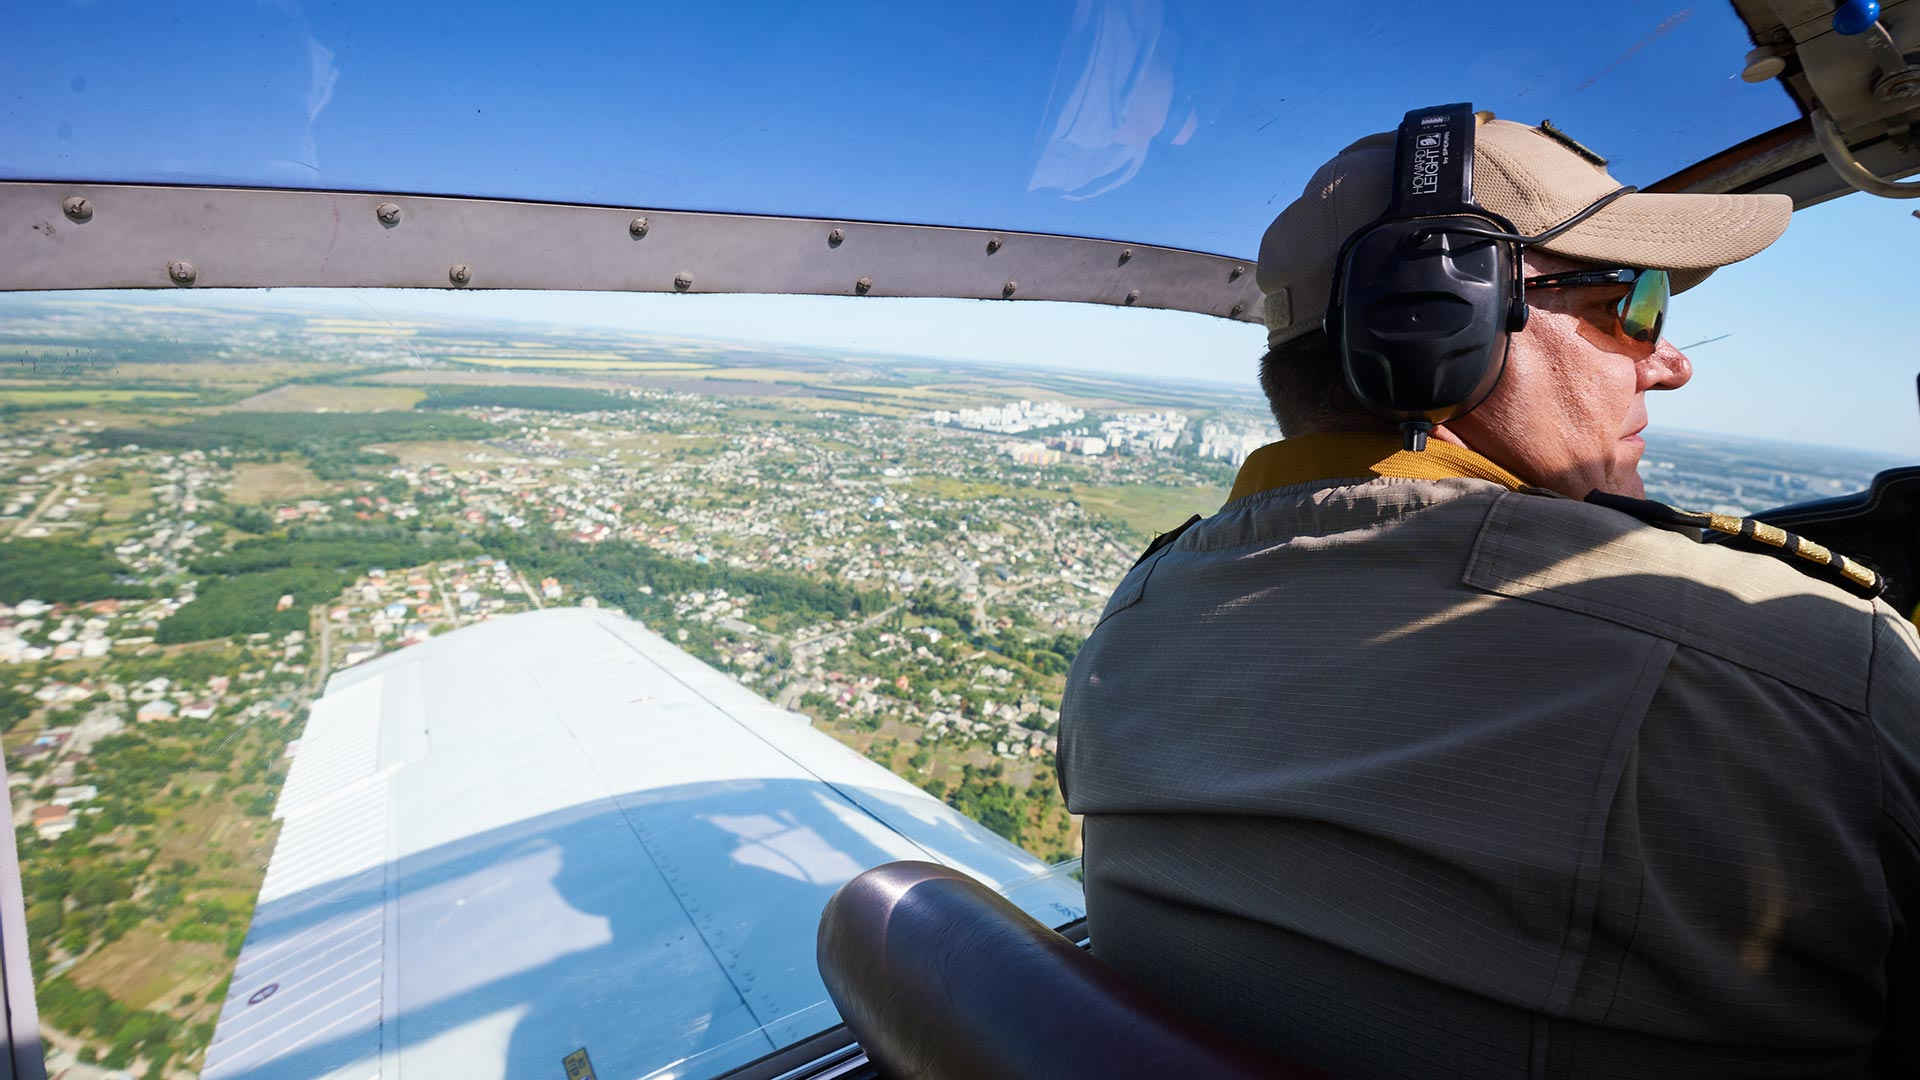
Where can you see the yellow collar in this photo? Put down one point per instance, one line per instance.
(1306, 458)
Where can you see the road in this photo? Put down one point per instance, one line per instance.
(317, 676)
(789, 695)
(968, 580)
(528, 589)
(53, 496)
(446, 601)
(871, 620)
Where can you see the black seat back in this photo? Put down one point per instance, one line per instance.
(938, 976)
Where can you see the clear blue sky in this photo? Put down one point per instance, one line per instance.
(1184, 124)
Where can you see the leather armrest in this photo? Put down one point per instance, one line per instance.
(938, 976)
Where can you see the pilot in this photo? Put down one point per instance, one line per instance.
(1468, 760)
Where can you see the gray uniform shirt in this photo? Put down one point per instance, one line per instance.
(1429, 777)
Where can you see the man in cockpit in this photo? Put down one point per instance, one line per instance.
(1420, 763)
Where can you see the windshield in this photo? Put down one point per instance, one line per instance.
(1186, 125)
(338, 628)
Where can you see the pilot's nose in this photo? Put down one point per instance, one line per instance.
(1666, 368)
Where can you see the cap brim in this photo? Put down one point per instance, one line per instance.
(1688, 235)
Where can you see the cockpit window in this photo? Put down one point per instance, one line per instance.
(1153, 122)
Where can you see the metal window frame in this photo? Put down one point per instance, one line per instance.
(1787, 161)
(76, 235)
(26, 1054)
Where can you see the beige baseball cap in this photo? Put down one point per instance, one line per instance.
(1535, 178)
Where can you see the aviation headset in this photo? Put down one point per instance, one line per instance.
(1426, 296)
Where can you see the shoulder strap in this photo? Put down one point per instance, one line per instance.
(1747, 534)
(1166, 538)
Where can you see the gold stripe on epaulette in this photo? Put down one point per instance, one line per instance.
(1858, 574)
(1847, 573)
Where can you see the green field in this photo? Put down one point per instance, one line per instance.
(38, 396)
(1149, 509)
(948, 487)
(1142, 509)
(573, 362)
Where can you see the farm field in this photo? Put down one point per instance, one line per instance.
(49, 396)
(578, 362)
(329, 398)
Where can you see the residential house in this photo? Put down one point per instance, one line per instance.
(52, 822)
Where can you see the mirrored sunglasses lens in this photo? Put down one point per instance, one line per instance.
(1644, 312)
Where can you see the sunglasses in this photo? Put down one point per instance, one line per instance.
(1642, 312)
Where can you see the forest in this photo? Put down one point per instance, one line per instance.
(354, 551)
(987, 798)
(615, 571)
(248, 604)
(314, 434)
(241, 589)
(543, 398)
(63, 572)
(15, 706)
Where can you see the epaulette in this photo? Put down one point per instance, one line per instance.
(1748, 534)
(1166, 538)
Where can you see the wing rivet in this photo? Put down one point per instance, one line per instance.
(637, 228)
(388, 213)
(460, 274)
(182, 272)
(1009, 289)
(863, 286)
(836, 238)
(1133, 296)
(683, 281)
(993, 245)
(1126, 256)
(77, 208)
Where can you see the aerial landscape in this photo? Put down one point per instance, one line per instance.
(205, 512)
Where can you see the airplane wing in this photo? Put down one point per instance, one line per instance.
(555, 832)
